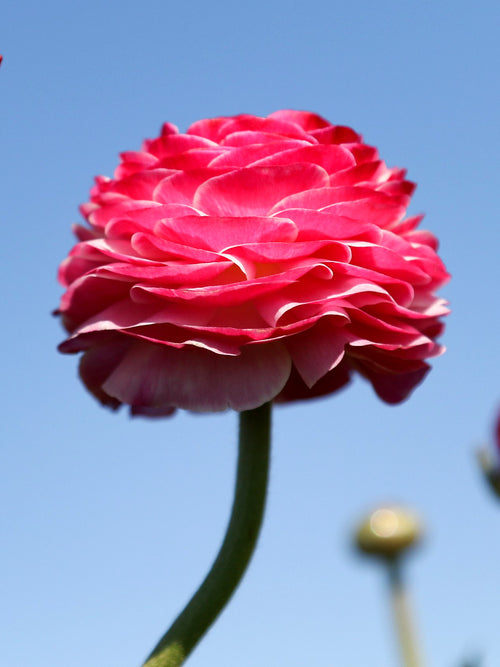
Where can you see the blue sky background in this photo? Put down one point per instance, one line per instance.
(109, 524)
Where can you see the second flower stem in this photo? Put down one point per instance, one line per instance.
(405, 627)
(237, 547)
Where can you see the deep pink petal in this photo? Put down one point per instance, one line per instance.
(89, 295)
(225, 294)
(245, 156)
(179, 273)
(285, 255)
(217, 233)
(157, 248)
(358, 203)
(245, 138)
(253, 191)
(394, 388)
(197, 158)
(361, 174)
(329, 225)
(331, 158)
(387, 262)
(280, 127)
(182, 186)
(305, 119)
(210, 128)
(174, 144)
(335, 134)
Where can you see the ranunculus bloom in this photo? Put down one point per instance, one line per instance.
(247, 260)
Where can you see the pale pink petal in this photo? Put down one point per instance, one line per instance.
(199, 380)
(317, 351)
(98, 362)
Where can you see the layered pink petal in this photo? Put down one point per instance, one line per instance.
(254, 190)
(218, 233)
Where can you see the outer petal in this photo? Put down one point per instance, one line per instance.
(317, 351)
(195, 379)
(394, 388)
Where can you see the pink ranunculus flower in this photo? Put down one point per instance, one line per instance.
(247, 260)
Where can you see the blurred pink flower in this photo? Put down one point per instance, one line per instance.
(489, 459)
(497, 432)
(247, 260)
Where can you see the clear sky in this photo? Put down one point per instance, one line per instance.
(108, 523)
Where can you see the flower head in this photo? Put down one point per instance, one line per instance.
(247, 260)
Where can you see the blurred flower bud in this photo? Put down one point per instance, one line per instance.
(388, 532)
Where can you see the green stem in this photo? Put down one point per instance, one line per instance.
(236, 550)
(405, 626)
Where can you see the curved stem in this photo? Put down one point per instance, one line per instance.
(237, 547)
